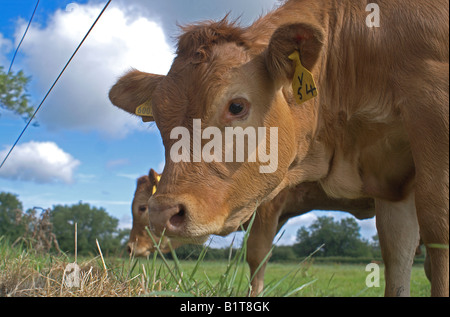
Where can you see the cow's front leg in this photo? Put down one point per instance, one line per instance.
(398, 231)
(259, 245)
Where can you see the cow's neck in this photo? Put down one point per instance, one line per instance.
(351, 128)
(347, 72)
(326, 112)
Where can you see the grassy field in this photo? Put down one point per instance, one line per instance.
(344, 280)
(23, 273)
(315, 280)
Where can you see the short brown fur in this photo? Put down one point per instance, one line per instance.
(379, 127)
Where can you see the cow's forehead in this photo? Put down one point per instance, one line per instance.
(198, 39)
(190, 87)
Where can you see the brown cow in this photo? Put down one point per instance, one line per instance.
(378, 127)
(140, 243)
(270, 217)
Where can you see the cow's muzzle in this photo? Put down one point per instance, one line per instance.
(167, 219)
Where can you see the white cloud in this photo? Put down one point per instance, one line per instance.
(171, 12)
(304, 220)
(40, 162)
(5, 47)
(368, 228)
(117, 43)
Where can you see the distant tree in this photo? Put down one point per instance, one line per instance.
(10, 208)
(92, 223)
(13, 94)
(187, 252)
(376, 249)
(283, 254)
(341, 238)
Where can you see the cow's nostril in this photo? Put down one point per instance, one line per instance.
(129, 249)
(177, 219)
(170, 219)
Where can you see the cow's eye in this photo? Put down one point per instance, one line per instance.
(238, 107)
(142, 209)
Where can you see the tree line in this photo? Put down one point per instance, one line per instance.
(33, 229)
(53, 231)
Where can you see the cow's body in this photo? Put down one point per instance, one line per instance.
(291, 202)
(378, 128)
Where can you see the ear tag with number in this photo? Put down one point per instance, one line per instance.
(145, 111)
(303, 82)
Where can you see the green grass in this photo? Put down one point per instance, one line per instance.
(315, 280)
(25, 273)
(346, 280)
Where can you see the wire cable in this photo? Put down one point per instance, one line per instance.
(54, 83)
(25, 33)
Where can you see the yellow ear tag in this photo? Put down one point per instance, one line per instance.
(154, 186)
(145, 110)
(303, 82)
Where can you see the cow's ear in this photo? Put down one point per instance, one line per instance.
(154, 177)
(141, 181)
(305, 38)
(133, 93)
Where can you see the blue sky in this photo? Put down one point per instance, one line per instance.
(84, 149)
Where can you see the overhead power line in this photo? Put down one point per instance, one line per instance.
(23, 36)
(54, 83)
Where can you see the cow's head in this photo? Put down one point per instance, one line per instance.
(222, 78)
(140, 242)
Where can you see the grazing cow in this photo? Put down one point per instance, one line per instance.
(362, 110)
(270, 217)
(140, 243)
